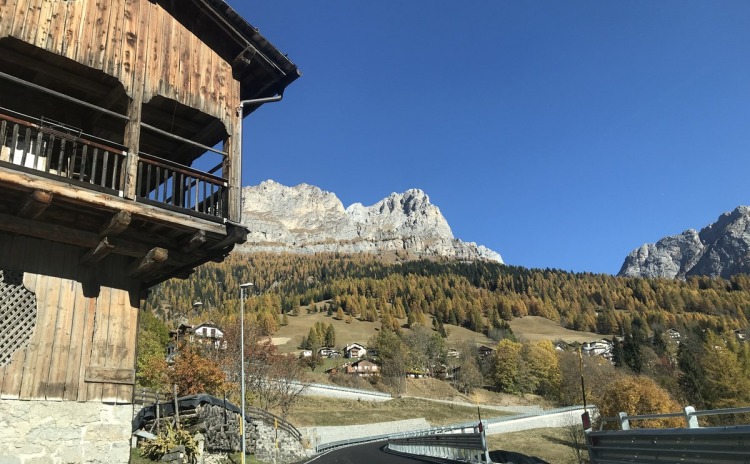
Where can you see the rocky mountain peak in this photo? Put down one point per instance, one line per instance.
(721, 249)
(307, 219)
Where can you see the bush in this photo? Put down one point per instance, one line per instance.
(167, 440)
(639, 396)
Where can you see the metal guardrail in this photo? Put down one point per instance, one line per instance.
(438, 430)
(545, 412)
(271, 418)
(692, 444)
(455, 445)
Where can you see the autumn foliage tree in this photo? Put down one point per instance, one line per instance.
(272, 380)
(194, 373)
(639, 395)
(526, 368)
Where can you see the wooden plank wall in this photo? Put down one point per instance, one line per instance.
(109, 35)
(83, 346)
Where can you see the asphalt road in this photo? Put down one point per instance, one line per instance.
(370, 453)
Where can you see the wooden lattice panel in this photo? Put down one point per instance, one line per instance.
(17, 314)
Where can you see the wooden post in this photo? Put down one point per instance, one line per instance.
(140, 58)
(233, 168)
(176, 408)
(132, 141)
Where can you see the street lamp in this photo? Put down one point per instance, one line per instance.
(243, 287)
(238, 171)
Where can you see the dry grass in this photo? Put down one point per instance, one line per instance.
(536, 328)
(314, 411)
(532, 328)
(299, 326)
(549, 444)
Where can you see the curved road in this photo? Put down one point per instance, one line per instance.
(372, 453)
(369, 453)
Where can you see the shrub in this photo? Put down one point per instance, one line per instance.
(639, 396)
(168, 439)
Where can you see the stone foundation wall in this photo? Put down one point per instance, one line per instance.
(56, 432)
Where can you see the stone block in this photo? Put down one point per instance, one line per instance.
(39, 460)
(107, 433)
(71, 453)
(9, 459)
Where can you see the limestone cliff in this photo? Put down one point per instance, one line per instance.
(721, 249)
(306, 219)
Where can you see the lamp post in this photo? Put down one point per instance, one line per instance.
(238, 170)
(243, 287)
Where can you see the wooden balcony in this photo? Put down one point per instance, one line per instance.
(176, 220)
(54, 150)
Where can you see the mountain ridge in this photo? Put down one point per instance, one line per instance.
(720, 249)
(307, 219)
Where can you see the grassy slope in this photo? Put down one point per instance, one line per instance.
(531, 328)
(315, 411)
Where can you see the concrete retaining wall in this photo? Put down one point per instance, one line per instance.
(55, 432)
(561, 419)
(344, 393)
(322, 435)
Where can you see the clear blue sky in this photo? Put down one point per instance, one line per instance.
(560, 134)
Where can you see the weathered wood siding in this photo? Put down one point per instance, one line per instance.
(83, 345)
(135, 41)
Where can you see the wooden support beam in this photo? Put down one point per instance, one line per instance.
(116, 225)
(185, 274)
(154, 259)
(95, 255)
(36, 203)
(118, 375)
(197, 239)
(235, 234)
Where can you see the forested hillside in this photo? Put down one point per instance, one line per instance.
(477, 295)
(708, 368)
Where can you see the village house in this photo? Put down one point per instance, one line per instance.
(674, 335)
(416, 374)
(354, 350)
(483, 351)
(328, 352)
(597, 348)
(207, 334)
(363, 368)
(210, 334)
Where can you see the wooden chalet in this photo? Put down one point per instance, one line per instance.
(120, 135)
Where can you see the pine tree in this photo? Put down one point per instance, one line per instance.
(330, 337)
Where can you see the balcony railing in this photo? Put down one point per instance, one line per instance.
(172, 185)
(58, 151)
